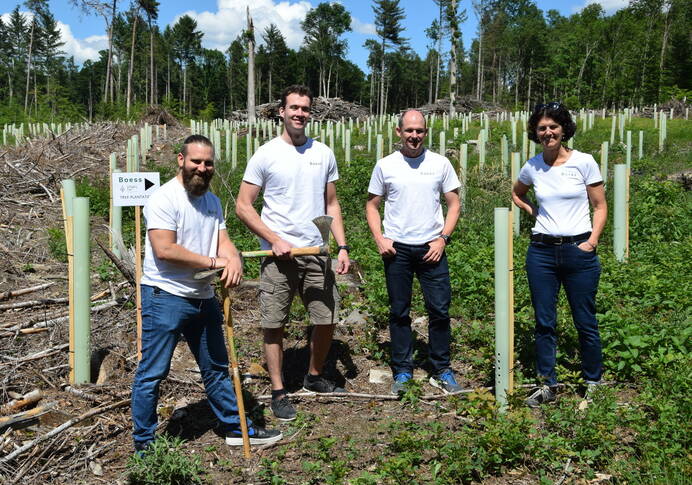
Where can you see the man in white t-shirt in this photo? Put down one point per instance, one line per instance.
(415, 236)
(186, 232)
(297, 176)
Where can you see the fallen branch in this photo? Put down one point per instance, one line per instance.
(17, 420)
(129, 276)
(63, 427)
(12, 293)
(84, 395)
(64, 318)
(29, 398)
(37, 355)
(30, 303)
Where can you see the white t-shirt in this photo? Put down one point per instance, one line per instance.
(294, 181)
(196, 222)
(563, 204)
(411, 188)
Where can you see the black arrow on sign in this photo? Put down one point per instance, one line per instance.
(148, 184)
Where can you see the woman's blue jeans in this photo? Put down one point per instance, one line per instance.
(548, 267)
(434, 281)
(164, 318)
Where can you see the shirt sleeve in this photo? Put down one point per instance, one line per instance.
(592, 172)
(333, 172)
(450, 181)
(160, 213)
(526, 175)
(376, 186)
(254, 172)
(219, 212)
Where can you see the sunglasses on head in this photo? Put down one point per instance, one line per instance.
(551, 105)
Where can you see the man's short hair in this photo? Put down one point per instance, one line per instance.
(200, 139)
(295, 89)
(401, 118)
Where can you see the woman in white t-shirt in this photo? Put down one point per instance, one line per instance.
(563, 243)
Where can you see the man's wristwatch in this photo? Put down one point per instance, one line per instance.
(447, 239)
(345, 247)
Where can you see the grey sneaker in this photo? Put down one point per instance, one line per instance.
(282, 409)
(445, 380)
(592, 387)
(542, 395)
(400, 380)
(320, 384)
(258, 436)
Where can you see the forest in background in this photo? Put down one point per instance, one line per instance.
(640, 55)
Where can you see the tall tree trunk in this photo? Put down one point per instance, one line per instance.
(28, 66)
(381, 104)
(494, 69)
(131, 66)
(479, 73)
(453, 66)
(269, 88)
(250, 69)
(430, 84)
(589, 50)
(168, 77)
(151, 64)
(372, 89)
(664, 46)
(528, 95)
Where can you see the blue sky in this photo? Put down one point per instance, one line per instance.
(222, 20)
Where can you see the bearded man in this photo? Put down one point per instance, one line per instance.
(186, 232)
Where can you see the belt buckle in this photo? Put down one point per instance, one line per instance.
(558, 241)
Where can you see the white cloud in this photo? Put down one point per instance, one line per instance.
(610, 6)
(220, 28)
(362, 27)
(81, 49)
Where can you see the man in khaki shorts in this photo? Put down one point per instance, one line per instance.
(297, 176)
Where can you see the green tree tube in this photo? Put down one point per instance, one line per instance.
(82, 291)
(620, 212)
(502, 364)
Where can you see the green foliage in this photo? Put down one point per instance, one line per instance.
(165, 463)
(57, 246)
(99, 196)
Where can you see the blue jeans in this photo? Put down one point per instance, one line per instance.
(437, 292)
(164, 318)
(548, 267)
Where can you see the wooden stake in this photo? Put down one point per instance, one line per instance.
(138, 278)
(230, 346)
(70, 280)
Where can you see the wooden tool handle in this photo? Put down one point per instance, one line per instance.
(233, 360)
(308, 251)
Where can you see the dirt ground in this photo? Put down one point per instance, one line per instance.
(34, 334)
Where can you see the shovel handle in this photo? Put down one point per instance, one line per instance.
(308, 251)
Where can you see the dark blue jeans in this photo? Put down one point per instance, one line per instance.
(437, 292)
(164, 318)
(548, 267)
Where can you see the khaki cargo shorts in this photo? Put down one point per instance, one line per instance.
(281, 279)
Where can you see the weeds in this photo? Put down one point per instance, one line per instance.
(165, 462)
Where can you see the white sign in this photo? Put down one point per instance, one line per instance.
(133, 188)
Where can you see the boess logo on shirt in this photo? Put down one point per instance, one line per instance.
(316, 164)
(571, 173)
(427, 172)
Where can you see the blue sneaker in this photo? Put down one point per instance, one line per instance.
(445, 380)
(400, 381)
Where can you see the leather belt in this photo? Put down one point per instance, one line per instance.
(557, 240)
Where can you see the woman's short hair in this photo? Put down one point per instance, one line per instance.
(557, 112)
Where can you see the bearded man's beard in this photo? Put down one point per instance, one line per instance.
(196, 184)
